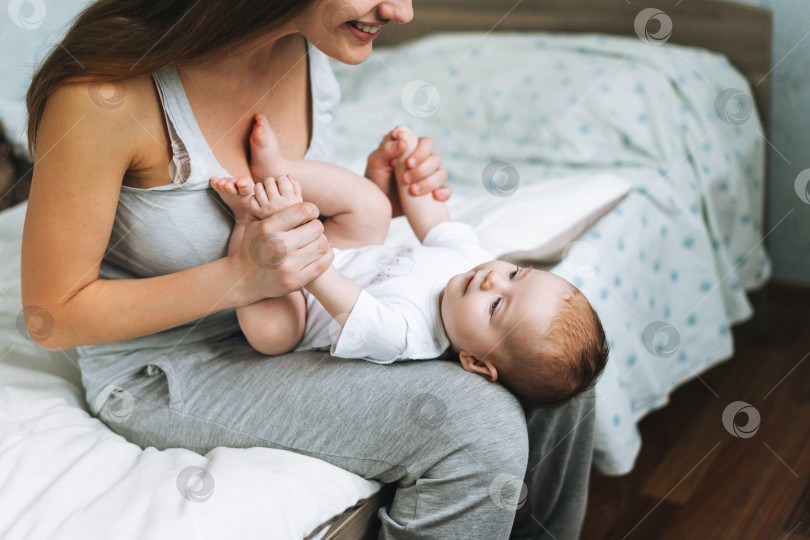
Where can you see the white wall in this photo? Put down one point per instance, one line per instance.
(789, 155)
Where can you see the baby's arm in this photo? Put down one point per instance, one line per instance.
(358, 212)
(423, 212)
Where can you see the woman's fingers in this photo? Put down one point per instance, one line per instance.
(291, 218)
(433, 182)
(423, 170)
(302, 236)
(443, 193)
(317, 267)
(314, 259)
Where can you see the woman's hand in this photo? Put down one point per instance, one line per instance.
(282, 253)
(423, 172)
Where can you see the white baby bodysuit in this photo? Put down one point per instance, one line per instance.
(396, 316)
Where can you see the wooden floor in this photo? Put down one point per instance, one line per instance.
(693, 479)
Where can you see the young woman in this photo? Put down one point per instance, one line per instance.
(125, 250)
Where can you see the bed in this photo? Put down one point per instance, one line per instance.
(621, 147)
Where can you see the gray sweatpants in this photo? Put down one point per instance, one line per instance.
(455, 445)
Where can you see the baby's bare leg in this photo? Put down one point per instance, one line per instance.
(357, 212)
(273, 325)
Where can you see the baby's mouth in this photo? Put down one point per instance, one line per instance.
(467, 283)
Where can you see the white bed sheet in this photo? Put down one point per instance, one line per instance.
(676, 255)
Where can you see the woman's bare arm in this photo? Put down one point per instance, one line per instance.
(83, 152)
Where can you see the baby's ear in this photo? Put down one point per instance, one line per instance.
(485, 368)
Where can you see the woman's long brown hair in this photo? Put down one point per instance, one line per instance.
(116, 40)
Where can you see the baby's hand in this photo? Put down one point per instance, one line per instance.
(235, 192)
(405, 134)
(274, 195)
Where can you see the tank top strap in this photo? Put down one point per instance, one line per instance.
(192, 164)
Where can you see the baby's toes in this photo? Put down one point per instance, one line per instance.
(260, 204)
(244, 186)
(291, 191)
(222, 186)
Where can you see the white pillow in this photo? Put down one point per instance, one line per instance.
(535, 223)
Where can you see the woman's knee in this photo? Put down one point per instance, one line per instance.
(489, 427)
(504, 438)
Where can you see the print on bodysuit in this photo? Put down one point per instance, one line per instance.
(400, 264)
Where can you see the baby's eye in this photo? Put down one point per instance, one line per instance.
(493, 306)
(513, 274)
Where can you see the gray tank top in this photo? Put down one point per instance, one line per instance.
(181, 225)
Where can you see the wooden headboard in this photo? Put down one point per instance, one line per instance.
(741, 32)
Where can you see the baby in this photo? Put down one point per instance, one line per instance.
(527, 328)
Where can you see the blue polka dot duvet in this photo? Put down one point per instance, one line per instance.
(667, 268)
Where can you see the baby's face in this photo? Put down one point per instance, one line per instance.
(481, 308)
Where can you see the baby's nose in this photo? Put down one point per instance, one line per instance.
(491, 280)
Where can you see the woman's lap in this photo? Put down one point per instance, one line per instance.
(434, 429)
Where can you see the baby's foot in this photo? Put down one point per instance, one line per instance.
(235, 192)
(274, 195)
(404, 134)
(265, 156)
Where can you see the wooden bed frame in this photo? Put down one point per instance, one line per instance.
(741, 32)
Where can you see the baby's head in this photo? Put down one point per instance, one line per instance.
(531, 329)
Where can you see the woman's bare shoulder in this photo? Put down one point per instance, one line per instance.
(125, 111)
(106, 103)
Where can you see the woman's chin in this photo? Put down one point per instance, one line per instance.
(354, 55)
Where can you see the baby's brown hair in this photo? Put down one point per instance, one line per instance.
(561, 364)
